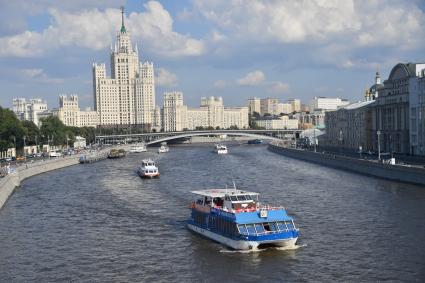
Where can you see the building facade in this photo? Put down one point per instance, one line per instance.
(69, 113)
(277, 123)
(128, 97)
(417, 113)
(254, 105)
(391, 113)
(211, 114)
(269, 106)
(327, 103)
(350, 127)
(31, 110)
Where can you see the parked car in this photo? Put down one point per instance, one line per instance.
(55, 154)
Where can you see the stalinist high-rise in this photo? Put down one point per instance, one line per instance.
(128, 97)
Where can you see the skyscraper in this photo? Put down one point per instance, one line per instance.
(128, 97)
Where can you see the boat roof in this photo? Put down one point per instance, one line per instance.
(214, 193)
(147, 160)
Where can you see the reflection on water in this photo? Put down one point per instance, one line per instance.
(101, 222)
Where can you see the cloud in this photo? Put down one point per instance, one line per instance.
(165, 78)
(94, 29)
(38, 75)
(389, 22)
(278, 87)
(220, 84)
(252, 78)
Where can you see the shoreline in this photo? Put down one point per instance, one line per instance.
(397, 173)
(11, 181)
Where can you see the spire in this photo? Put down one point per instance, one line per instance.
(377, 76)
(123, 30)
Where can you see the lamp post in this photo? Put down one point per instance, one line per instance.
(379, 145)
(314, 137)
(340, 141)
(25, 154)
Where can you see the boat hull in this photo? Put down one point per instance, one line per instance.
(241, 244)
(148, 176)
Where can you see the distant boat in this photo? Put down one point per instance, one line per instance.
(236, 219)
(256, 141)
(221, 149)
(138, 148)
(148, 169)
(116, 153)
(163, 149)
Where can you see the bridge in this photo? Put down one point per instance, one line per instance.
(158, 137)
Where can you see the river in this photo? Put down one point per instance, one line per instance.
(101, 222)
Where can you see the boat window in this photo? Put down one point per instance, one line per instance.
(282, 226)
(289, 224)
(250, 229)
(242, 230)
(273, 226)
(248, 197)
(233, 198)
(241, 198)
(259, 228)
(226, 198)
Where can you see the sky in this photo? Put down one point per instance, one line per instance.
(231, 48)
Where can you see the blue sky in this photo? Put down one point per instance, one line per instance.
(231, 48)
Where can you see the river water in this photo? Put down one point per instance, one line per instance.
(101, 222)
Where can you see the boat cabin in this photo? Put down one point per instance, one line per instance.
(231, 200)
(148, 163)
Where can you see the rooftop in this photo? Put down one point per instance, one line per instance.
(214, 193)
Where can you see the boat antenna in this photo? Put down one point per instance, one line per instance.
(234, 184)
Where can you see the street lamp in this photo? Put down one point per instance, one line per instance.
(25, 154)
(379, 145)
(314, 137)
(340, 141)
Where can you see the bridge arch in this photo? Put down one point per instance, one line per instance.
(214, 133)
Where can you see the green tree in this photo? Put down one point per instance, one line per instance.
(11, 130)
(32, 132)
(52, 129)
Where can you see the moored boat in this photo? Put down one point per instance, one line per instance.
(256, 141)
(148, 169)
(116, 153)
(236, 219)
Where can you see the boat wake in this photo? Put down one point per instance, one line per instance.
(292, 248)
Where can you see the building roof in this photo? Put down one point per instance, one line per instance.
(357, 105)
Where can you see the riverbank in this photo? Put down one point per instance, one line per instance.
(400, 173)
(14, 179)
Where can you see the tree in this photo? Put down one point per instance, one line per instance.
(52, 129)
(32, 132)
(11, 130)
(233, 127)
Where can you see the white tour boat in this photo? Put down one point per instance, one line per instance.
(163, 148)
(148, 169)
(221, 148)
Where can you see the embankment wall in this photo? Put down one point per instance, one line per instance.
(14, 179)
(386, 171)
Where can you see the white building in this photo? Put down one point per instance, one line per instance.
(285, 108)
(30, 110)
(296, 104)
(211, 114)
(128, 97)
(174, 112)
(269, 106)
(254, 105)
(69, 113)
(417, 111)
(279, 123)
(327, 103)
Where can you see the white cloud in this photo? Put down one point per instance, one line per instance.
(38, 75)
(96, 29)
(220, 84)
(362, 22)
(278, 87)
(165, 78)
(252, 78)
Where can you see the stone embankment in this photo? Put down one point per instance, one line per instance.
(401, 173)
(14, 179)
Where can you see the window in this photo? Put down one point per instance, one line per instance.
(233, 198)
(250, 229)
(259, 228)
(243, 230)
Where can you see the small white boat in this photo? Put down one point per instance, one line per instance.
(148, 169)
(221, 149)
(163, 148)
(138, 148)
